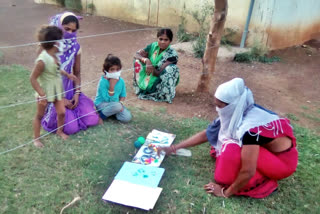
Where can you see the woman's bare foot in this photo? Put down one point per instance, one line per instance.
(100, 121)
(62, 135)
(38, 143)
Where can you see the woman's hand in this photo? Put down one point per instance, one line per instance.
(73, 77)
(67, 103)
(75, 101)
(168, 150)
(149, 67)
(214, 189)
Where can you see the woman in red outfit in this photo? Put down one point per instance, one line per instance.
(253, 147)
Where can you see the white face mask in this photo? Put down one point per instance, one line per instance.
(114, 75)
(59, 46)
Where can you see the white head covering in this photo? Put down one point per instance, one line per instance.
(239, 115)
(239, 99)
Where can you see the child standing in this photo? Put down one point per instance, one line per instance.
(46, 80)
(111, 91)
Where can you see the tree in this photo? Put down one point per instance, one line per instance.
(213, 42)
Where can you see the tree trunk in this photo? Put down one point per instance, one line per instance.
(213, 42)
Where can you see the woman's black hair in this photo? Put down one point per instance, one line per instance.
(167, 32)
(70, 19)
(49, 33)
(110, 61)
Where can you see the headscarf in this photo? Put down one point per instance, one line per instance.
(70, 43)
(70, 50)
(240, 114)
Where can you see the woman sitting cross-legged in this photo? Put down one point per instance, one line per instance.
(156, 73)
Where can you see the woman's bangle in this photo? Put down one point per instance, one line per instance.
(78, 91)
(222, 193)
(144, 60)
(111, 92)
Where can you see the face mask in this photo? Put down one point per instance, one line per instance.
(114, 75)
(218, 109)
(67, 35)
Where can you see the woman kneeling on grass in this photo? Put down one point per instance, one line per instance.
(79, 109)
(253, 147)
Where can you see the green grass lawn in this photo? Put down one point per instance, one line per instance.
(44, 180)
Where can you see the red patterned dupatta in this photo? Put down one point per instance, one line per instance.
(270, 167)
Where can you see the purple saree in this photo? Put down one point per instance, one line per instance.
(85, 110)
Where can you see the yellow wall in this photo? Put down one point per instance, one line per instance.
(274, 23)
(166, 13)
(133, 11)
(280, 24)
(45, 1)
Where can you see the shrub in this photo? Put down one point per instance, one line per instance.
(182, 34)
(71, 4)
(199, 46)
(91, 7)
(228, 36)
(257, 53)
(200, 16)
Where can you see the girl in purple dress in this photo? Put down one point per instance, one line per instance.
(76, 103)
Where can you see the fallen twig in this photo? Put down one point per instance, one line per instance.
(71, 203)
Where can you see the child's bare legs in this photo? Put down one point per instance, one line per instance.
(60, 108)
(41, 107)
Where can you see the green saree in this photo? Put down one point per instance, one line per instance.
(161, 88)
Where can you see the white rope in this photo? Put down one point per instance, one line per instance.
(42, 136)
(34, 100)
(89, 36)
(22, 145)
(79, 37)
(2, 107)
